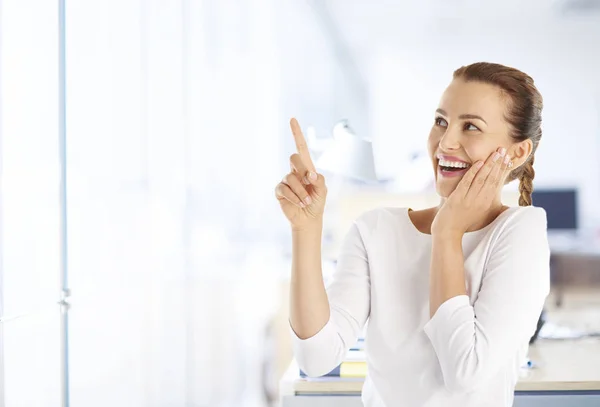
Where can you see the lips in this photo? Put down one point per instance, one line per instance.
(449, 166)
(451, 173)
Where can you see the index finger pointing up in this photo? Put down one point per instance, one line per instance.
(301, 145)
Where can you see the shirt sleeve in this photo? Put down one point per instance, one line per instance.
(349, 301)
(473, 342)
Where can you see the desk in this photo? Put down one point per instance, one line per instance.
(568, 372)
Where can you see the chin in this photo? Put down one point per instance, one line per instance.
(443, 192)
(444, 187)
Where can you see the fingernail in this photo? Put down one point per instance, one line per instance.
(502, 151)
(307, 200)
(305, 181)
(496, 156)
(506, 159)
(479, 164)
(302, 205)
(312, 176)
(510, 164)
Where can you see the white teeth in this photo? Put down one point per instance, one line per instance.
(454, 164)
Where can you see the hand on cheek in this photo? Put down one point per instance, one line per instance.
(473, 196)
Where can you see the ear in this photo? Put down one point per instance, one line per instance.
(520, 152)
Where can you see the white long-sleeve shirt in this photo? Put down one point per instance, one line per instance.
(469, 353)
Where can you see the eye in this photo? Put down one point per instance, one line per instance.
(471, 127)
(439, 121)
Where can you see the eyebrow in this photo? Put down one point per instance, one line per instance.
(462, 116)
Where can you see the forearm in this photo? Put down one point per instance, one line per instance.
(447, 274)
(309, 306)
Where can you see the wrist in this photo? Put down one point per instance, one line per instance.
(447, 235)
(309, 229)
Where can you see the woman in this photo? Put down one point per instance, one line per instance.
(452, 293)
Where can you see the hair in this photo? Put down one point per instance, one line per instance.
(524, 113)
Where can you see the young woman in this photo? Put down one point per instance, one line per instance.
(452, 293)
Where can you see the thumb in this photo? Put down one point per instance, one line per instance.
(317, 181)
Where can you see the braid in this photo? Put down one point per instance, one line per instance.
(526, 183)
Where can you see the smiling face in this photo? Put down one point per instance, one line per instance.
(469, 125)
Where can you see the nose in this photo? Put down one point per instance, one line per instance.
(450, 140)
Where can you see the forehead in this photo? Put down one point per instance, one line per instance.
(472, 97)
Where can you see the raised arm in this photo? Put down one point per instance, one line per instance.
(324, 323)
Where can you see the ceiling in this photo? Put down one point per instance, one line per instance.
(535, 34)
(363, 25)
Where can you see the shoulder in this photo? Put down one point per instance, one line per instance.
(381, 217)
(520, 251)
(524, 219)
(522, 226)
(383, 224)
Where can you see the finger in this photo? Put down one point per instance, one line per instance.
(483, 176)
(504, 165)
(317, 182)
(301, 145)
(296, 186)
(497, 173)
(299, 168)
(304, 175)
(506, 168)
(465, 183)
(284, 192)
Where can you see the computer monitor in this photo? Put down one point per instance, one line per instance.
(560, 206)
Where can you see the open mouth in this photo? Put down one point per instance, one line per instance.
(452, 167)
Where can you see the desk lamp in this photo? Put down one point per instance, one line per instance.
(348, 155)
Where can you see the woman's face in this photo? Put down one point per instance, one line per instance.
(469, 125)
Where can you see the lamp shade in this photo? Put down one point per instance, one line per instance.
(348, 155)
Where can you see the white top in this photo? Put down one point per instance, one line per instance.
(470, 352)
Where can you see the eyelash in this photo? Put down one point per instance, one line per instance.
(466, 127)
(438, 120)
(467, 124)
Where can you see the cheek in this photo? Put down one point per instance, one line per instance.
(433, 141)
(478, 150)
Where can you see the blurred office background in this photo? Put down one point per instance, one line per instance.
(167, 242)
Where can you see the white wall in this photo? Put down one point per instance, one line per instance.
(30, 336)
